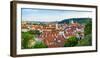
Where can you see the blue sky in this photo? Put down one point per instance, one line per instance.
(49, 15)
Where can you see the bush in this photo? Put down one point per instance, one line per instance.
(70, 42)
(40, 44)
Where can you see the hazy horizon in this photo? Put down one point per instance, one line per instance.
(50, 15)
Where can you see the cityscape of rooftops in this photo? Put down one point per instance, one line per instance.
(50, 28)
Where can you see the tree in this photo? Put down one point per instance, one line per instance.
(88, 28)
(72, 41)
(87, 41)
(25, 39)
(35, 32)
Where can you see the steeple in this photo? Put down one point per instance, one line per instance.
(72, 21)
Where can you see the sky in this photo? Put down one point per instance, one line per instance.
(50, 15)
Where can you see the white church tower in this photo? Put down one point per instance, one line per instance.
(56, 25)
(72, 22)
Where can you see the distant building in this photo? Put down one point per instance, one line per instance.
(25, 30)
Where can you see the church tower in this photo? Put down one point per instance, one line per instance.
(56, 25)
(72, 21)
